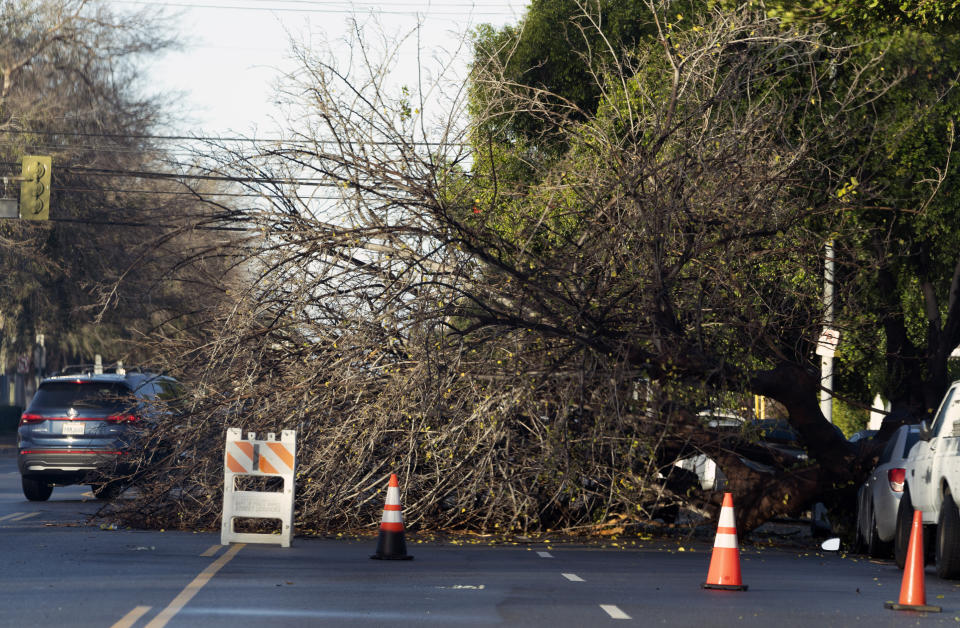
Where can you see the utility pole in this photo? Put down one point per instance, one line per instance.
(830, 337)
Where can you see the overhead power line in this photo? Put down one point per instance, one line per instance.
(172, 193)
(178, 177)
(146, 174)
(154, 225)
(206, 195)
(356, 3)
(183, 177)
(200, 138)
(338, 8)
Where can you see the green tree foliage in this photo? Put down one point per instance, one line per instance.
(898, 268)
(557, 51)
(872, 15)
(832, 144)
(849, 418)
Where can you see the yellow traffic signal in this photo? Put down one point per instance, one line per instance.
(35, 188)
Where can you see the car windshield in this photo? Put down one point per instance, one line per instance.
(112, 396)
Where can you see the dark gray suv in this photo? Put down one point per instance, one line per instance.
(81, 424)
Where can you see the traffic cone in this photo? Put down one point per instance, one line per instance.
(913, 593)
(390, 545)
(725, 562)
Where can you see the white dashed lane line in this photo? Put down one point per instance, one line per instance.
(614, 611)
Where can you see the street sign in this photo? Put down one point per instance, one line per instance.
(828, 342)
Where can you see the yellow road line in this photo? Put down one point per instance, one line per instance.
(213, 549)
(131, 618)
(25, 516)
(193, 588)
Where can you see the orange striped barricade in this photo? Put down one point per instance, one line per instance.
(251, 457)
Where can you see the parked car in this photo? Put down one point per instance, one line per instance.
(83, 422)
(710, 476)
(932, 474)
(879, 497)
(780, 435)
(776, 434)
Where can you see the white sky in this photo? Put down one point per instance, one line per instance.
(235, 50)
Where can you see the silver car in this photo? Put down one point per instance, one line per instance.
(879, 497)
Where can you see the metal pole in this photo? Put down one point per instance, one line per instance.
(826, 361)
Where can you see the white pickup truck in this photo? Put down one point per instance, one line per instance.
(932, 476)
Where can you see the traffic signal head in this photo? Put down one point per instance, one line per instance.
(35, 188)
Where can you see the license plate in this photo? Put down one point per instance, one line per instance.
(73, 428)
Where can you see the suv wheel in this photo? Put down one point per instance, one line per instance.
(948, 539)
(36, 490)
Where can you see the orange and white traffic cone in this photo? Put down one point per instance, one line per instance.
(913, 592)
(725, 563)
(391, 545)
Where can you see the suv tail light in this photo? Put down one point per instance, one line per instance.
(896, 477)
(122, 418)
(26, 419)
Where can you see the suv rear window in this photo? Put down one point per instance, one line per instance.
(99, 395)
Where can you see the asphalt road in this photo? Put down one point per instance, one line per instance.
(62, 572)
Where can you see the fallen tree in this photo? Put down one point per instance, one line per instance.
(526, 335)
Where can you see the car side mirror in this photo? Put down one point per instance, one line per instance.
(924, 433)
